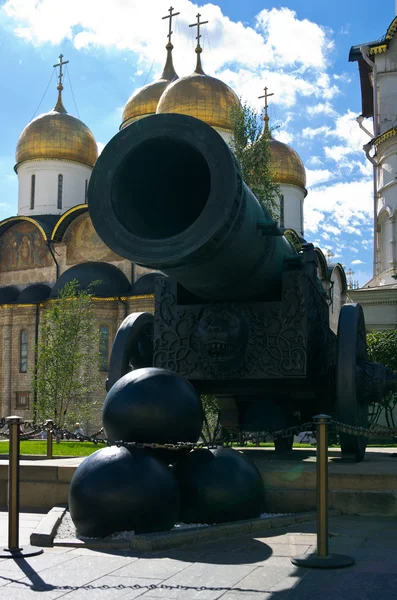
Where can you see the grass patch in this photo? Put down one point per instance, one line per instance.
(65, 448)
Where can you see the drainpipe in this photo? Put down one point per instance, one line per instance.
(36, 342)
(360, 120)
(124, 303)
(372, 65)
(374, 163)
(49, 245)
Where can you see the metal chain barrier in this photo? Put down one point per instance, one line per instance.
(62, 433)
(378, 431)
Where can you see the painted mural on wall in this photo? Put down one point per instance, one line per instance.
(23, 247)
(84, 244)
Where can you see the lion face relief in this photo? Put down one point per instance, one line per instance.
(222, 334)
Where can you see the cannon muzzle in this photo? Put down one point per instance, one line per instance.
(167, 193)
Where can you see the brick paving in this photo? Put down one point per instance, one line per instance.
(250, 567)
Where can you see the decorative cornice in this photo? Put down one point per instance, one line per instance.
(378, 49)
(93, 298)
(391, 29)
(79, 207)
(67, 160)
(23, 218)
(383, 137)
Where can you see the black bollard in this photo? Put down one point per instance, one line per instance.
(14, 550)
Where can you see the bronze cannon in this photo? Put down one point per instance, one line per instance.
(238, 311)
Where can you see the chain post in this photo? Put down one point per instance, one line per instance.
(13, 550)
(322, 559)
(49, 424)
(322, 422)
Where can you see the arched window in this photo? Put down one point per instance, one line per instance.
(86, 191)
(103, 347)
(32, 191)
(60, 189)
(23, 351)
(302, 224)
(281, 211)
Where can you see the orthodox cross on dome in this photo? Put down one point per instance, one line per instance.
(198, 47)
(266, 117)
(59, 106)
(60, 65)
(170, 32)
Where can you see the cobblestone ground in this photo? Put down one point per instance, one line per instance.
(252, 567)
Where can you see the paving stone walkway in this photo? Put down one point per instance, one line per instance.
(241, 568)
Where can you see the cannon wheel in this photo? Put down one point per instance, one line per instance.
(351, 348)
(132, 347)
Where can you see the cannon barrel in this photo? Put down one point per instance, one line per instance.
(167, 193)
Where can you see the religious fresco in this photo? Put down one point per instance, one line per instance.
(84, 244)
(23, 247)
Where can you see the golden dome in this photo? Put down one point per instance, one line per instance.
(143, 102)
(57, 135)
(200, 96)
(287, 164)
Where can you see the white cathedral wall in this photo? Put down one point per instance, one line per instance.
(386, 251)
(225, 135)
(293, 207)
(387, 174)
(386, 64)
(46, 186)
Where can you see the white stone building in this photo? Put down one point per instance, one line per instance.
(377, 63)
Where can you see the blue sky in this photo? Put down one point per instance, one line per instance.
(298, 48)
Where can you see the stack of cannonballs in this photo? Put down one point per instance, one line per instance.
(148, 490)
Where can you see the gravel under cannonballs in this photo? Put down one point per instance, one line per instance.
(67, 529)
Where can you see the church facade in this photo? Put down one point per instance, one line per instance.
(377, 63)
(51, 240)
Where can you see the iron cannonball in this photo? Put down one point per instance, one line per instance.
(219, 485)
(153, 405)
(117, 489)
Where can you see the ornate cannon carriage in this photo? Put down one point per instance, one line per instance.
(238, 311)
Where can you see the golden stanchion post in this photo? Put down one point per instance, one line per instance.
(321, 559)
(14, 550)
(49, 425)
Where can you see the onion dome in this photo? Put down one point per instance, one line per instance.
(201, 96)
(143, 102)
(104, 280)
(287, 164)
(36, 292)
(57, 135)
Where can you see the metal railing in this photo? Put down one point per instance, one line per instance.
(321, 559)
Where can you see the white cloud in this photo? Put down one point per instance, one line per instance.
(323, 108)
(339, 205)
(133, 26)
(100, 146)
(315, 161)
(316, 176)
(288, 85)
(284, 136)
(242, 55)
(309, 132)
(311, 43)
(337, 153)
(358, 262)
(332, 229)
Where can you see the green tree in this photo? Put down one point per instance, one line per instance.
(382, 348)
(251, 146)
(211, 427)
(66, 377)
